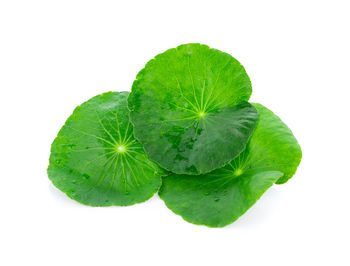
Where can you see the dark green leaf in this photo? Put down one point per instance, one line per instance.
(96, 160)
(220, 197)
(189, 109)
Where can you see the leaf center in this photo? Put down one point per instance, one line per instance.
(120, 149)
(238, 172)
(201, 113)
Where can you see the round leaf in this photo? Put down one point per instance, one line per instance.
(189, 109)
(220, 197)
(96, 160)
(273, 146)
(215, 199)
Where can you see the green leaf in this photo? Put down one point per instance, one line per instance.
(220, 197)
(274, 146)
(215, 199)
(96, 160)
(189, 109)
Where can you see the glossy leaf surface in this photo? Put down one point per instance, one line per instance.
(273, 146)
(96, 160)
(220, 197)
(189, 109)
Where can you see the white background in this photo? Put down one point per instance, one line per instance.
(54, 55)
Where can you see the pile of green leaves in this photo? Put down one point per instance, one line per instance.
(186, 131)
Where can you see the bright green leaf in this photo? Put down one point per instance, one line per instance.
(220, 197)
(273, 146)
(189, 109)
(96, 160)
(215, 199)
